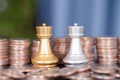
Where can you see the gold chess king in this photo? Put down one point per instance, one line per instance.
(45, 56)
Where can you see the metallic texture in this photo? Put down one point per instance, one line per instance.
(44, 57)
(75, 54)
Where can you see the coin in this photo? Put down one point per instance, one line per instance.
(103, 77)
(19, 48)
(36, 42)
(61, 47)
(106, 38)
(51, 72)
(87, 40)
(61, 39)
(25, 45)
(82, 68)
(35, 47)
(86, 73)
(109, 47)
(21, 55)
(68, 71)
(89, 55)
(107, 51)
(2, 77)
(117, 75)
(100, 69)
(3, 41)
(107, 62)
(107, 56)
(20, 41)
(13, 74)
(88, 50)
(36, 76)
(61, 44)
(22, 67)
(60, 55)
(101, 58)
(108, 59)
(80, 76)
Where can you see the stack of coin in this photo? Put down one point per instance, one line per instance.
(4, 57)
(35, 47)
(106, 50)
(19, 51)
(61, 47)
(119, 50)
(88, 47)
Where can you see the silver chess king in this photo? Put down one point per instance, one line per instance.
(75, 56)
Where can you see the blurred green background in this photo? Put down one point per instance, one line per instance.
(17, 19)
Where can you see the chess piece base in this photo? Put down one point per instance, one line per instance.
(45, 65)
(45, 61)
